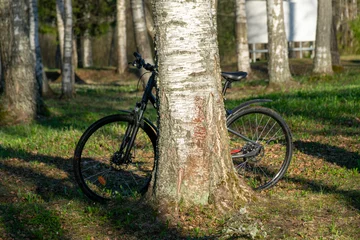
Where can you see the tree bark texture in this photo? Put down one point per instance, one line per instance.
(194, 164)
(86, 45)
(67, 90)
(20, 99)
(278, 64)
(122, 61)
(141, 35)
(334, 48)
(322, 60)
(35, 47)
(149, 22)
(60, 16)
(242, 47)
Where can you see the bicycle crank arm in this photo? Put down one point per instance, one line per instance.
(253, 153)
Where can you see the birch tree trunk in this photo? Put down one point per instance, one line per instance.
(67, 90)
(242, 47)
(194, 164)
(35, 47)
(149, 22)
(322, 60)
(21, 99)
(60, 16)
(141, 34)
(122, 61)
(278, 65)
(87, 50)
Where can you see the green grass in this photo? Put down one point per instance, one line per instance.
(319, 198)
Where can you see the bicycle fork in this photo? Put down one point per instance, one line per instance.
(123, 156)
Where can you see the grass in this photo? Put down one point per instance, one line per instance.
(319, 198)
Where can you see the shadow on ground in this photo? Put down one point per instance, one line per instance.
(329, 153)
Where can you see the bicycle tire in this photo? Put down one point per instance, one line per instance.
(94, 174)
(271, 162)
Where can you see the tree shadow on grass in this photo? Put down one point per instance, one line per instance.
(329, 153)
(33, 184)
(351, 196)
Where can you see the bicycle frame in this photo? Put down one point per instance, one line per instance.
(138, 116)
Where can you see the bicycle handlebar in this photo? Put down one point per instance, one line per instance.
(139, 62)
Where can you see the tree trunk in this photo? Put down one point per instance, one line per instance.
(87, 50)
(278, 64)
(322, 60)
(35, 47)
(194, 164)
(141, 34)
(149, 22)
(21, 98)
(67, 90)
(242, 47)
(335, 55)
(122, 61)
(60, 16)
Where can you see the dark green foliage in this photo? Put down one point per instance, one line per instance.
(226, 30)
(95, 15)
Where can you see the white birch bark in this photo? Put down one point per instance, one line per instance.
(122, 61)
(141, 34)
(35, 47)
(87, 50)
(194, 164)
(67, 89)
(60, 16)
(149, 22)
(278, 65)
(242, 47)
(21, 96)
(322, 60)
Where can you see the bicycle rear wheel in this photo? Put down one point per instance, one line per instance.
(262, 133)
(95, 172)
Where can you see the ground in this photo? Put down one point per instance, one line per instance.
(319, 197)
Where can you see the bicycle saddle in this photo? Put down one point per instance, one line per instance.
(234, 76)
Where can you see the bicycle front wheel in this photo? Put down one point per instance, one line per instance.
(95, 172)
(261, 146)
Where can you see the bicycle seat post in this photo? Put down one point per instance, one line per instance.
(226, 86)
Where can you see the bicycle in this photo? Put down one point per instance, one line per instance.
(115, 156)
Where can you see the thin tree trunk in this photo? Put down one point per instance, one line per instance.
(112, 46)
(87, 50)
(60, 16)
(149, 22)
(122, 62)
(242, 47)
(194, 164)
(35, 46)
(322, 60)
(141, 34)
(67, 90)
(75, 53)
(278, 64)
(335, 55)
(21, 98)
